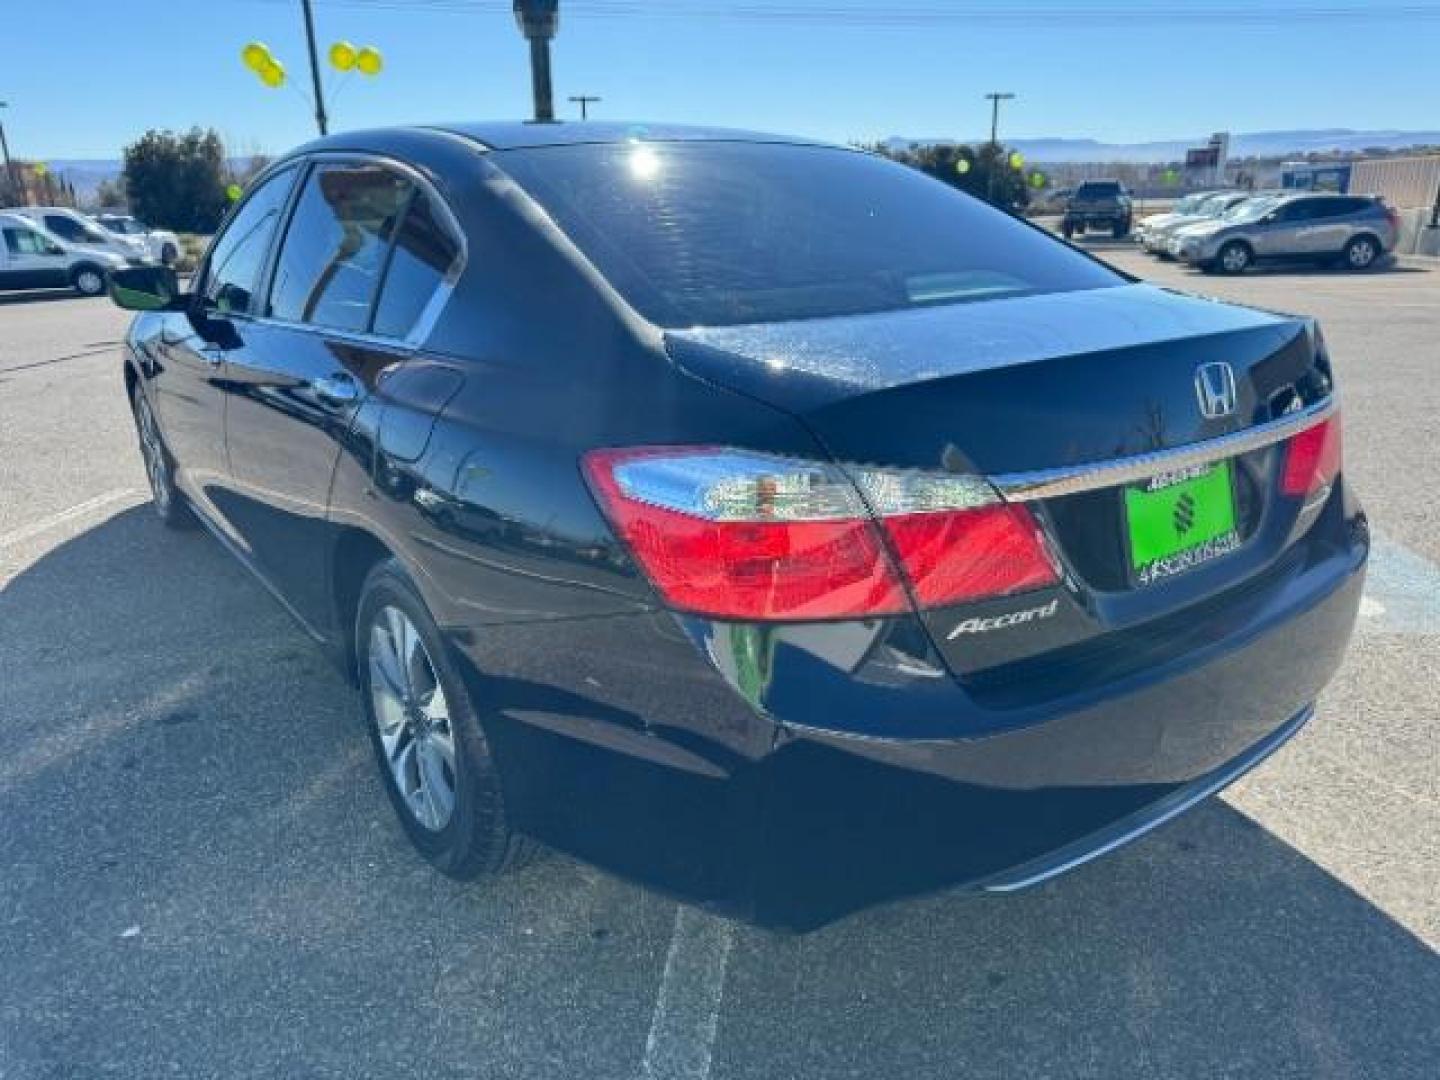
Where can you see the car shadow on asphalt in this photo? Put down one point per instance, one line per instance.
(199, 873)
(39, 296)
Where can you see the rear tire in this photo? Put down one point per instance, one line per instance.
(1120, 229)
(1234, 258)
(1361, 254)
(1068, 228)
(434, 758)
(88, 280)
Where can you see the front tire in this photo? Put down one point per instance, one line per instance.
(434, 758)
(1234, 258)
(169, 504)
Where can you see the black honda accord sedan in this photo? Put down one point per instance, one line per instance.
(756, 518)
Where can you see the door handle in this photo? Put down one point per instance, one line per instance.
(339, 389)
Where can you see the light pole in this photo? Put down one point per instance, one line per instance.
(321, 121)
(584, 101)
(994, 97)
(539, 20)
(15, 191)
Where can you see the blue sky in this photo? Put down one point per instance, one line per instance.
(92, 75)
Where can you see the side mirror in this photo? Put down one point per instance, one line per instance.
(146, 288)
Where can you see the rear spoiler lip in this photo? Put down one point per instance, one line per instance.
(1074, 479)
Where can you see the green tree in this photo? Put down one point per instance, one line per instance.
(177, 181)
(968, 168)
(110, 194)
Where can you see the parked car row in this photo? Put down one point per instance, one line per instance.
(57, 246)
(33, 257)
(1229, 232)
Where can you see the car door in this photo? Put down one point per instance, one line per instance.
(307, 365)
(185, 352)
(1332, 225)
(1281, 233)
(32, 261)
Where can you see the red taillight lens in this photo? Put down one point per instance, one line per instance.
(969, 554)
(1312, 459)
(737, 535)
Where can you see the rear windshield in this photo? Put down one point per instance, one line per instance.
(719, 233)
(1099, 189)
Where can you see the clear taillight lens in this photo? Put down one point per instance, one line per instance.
(739, 535)
(1312, 459)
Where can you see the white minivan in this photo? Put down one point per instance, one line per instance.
(32, 257)
(73, 227)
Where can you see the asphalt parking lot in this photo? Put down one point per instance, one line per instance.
(200, 875)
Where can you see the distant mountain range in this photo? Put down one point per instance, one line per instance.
(1249, 144)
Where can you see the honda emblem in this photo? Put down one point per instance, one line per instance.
(1215, 389)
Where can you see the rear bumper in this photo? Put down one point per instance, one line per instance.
(1134, 826)
(793, 776)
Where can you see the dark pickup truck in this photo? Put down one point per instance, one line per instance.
(1098, 204)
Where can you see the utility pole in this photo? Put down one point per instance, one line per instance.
(320, 119)
(994, 97)
(585, 100)
(15, 191)
(539, 20)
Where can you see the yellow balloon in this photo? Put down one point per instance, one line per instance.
(342, 56)
(41, 169)
(273, 74)
(1017, 160)
(962, 166)
(369, 60)
(256, 55)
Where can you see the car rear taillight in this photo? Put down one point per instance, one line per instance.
(1312, 459)
(738, 535)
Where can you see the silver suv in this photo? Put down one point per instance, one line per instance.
(1354, 230)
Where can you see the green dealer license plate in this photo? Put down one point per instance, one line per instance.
(1179, 520)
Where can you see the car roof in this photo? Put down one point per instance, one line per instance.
(512, 135)
(515, 135)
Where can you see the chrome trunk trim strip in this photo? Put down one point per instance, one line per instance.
(1073, 479)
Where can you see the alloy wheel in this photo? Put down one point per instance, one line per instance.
(1362, 254)
(90, 283)
(1235, 259)
(413, 718)
(157, 471)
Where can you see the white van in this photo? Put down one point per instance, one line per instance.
(73, 227)
(31, 257)
(162, 244)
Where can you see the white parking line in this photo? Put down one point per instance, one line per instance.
(54, 521)
(1402, 591)
(687, 1007)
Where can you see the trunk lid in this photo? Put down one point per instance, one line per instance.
(1035, 384)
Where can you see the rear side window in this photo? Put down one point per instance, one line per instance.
(335, 248)
(717, 233)
(423, 254)
(65, 228)
(238, 253)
